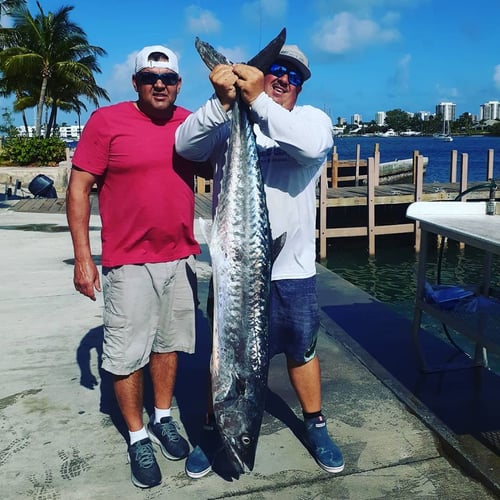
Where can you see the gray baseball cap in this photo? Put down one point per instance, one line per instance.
(294, 55)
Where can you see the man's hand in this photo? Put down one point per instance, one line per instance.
(86, 278)
(250, 81)
(223, 80)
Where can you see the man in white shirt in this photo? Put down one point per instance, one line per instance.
(293, 142)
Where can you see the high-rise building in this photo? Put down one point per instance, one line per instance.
(356, 119)
(380, 118)
(490, 111)
(423, 115)
(446, 110)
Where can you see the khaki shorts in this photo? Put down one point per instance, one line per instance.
(147, 308)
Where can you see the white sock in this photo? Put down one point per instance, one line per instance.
(137, 435)
(160, 413)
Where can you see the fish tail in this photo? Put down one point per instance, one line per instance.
(269, 53)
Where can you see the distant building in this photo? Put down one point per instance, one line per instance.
(424, 115)
(446, 110)
(356, 119)
(380, 118)
(490, 111)
(31, 131)
(71, 132)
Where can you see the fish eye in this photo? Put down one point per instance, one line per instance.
(246, 440)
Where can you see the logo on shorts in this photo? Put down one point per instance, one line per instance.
(309, 354)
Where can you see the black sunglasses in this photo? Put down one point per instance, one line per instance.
(150, 78)
(279, 70)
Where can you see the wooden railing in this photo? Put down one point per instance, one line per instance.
(370, 229)
(370, 195)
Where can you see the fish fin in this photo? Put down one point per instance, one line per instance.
(206, 229)
(209, 55)
(269, 53)
(276, 246)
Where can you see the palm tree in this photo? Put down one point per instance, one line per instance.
(7, 6)
(51, 52)
(64, 92)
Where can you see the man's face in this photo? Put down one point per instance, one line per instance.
(156, 95)
(283, 89)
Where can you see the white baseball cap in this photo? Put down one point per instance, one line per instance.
(142, 59)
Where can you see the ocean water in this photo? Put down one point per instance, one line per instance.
(438, 152)
(390, 275)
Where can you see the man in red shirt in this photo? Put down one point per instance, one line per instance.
(146, 204)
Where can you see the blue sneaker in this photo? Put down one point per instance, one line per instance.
(200, 460)
(326, 453)
(166, 435)
(145, 470)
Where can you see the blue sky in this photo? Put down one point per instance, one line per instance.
(365, 55)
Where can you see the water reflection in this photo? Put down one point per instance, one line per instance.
(390, 276)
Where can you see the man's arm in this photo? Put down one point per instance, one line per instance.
(85, 276)
(304, 133)
(198, 136)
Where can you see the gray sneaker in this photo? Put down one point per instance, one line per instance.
(144, 469)
(166, 435)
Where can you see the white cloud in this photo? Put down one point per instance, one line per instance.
(201, 21)
(346, 33)
(496, 76)
(447, 93)
(234, 54)
(391, 17)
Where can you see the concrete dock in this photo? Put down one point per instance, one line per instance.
(62, 437)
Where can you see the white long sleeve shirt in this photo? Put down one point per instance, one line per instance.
(292, 147)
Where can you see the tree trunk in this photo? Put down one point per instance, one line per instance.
(39, 107)
(52, 120)
(25, 123)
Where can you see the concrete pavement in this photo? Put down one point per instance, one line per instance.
(62, 436)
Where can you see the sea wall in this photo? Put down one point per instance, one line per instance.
(9, 175)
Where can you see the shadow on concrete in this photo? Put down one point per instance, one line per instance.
(93, 341)
(465, 399)
(95, 258)
(190, 389)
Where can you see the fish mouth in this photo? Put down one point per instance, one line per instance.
(241, 452)
(241, 461)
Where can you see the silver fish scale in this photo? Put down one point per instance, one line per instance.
(240, 250)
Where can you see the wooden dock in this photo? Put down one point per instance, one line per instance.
(344, 212)
(374, 196)
(203, 205)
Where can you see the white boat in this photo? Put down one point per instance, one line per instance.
(443, 137)
(445, 134)
(388, 133)
(397, 171)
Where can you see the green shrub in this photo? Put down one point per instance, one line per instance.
(34, 150)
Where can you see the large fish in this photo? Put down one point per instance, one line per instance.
(241, 252)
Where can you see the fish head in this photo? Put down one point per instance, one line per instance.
(239, 425)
